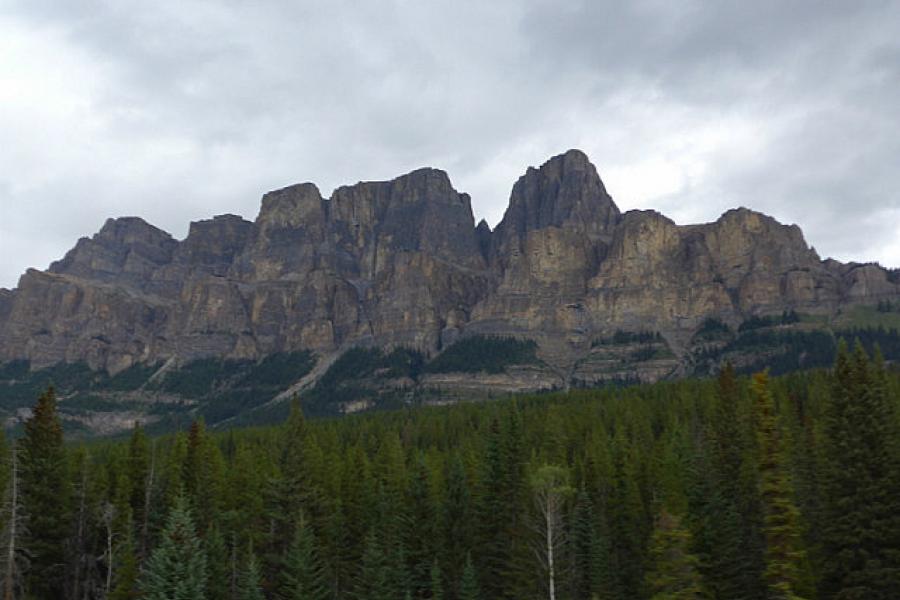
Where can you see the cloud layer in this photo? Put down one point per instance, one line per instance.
(175, 111)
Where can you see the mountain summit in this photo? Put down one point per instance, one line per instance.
(401, 264)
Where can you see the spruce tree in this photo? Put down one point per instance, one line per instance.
(217, 568)
(587, 551)
(374, 578)
(457, 516)
(250, 584)
(861, 540)
(45, 498)
(127, 571)
(730, 542)
(785, 560)
(468, 586)
(176, 570)
(673, 573)
(420, 535)
(203, 475)
(626, 520)
(300, 577)
(139, 480)
(437, 582)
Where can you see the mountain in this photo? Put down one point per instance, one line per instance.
(566, 291)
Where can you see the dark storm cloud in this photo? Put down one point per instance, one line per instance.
(180, 110)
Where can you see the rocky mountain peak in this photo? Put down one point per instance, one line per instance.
(402, 263)
(291, 206)
(214, 243)
(565, 191)
(127, 246)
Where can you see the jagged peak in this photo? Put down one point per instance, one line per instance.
(754, 219)
(425, 179)
(225, 220)
(565, 190)
(572, 159)
(646, 214)
(124, 228)
(290, 204)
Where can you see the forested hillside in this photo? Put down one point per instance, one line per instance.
(728, 488)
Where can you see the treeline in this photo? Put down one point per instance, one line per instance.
(724, 489)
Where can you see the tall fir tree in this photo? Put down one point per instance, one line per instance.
(457, 516)
(45, 498)
(301, 576)
(437, 582)
(203, 475)
(420, 534)
(785, 559)
(127, 571)
(731, 543)
(250, 585)
(139, 481)
(626, 520)
(674, 572)
(218, 580)
(861, 540)
(375, 581)
(589, 554)
(176, 570)
(469, 588)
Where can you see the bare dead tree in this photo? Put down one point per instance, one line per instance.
(148, 496)
(108, 517)
(550, 489)
(14, 529)
(80, 533)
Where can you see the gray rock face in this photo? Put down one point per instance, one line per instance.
(401, 263)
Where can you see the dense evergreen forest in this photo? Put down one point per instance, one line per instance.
(729, 488)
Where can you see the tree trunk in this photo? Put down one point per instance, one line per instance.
(9, 580)
(550, 565)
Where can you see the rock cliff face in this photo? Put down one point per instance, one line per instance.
(401, 263)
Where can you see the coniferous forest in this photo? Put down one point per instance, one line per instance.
(729, 488)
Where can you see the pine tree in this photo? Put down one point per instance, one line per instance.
(437, 582)
(732, 545)
(862, 483)
(456, 523)
(176, 570)
(126, 575)
(203, 475)
(627, 524)
(500, 507)
(588, 557)
(374, 580)
(217, 572)
(291, 491)
(45, 497)
(420, 536)
(674, 572)
(250, 586)
(139, 480)
(301, 574)
(785, 560)
(468, 587)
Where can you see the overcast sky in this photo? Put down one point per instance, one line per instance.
(175, 110)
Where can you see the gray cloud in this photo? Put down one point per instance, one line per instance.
(180, 110)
